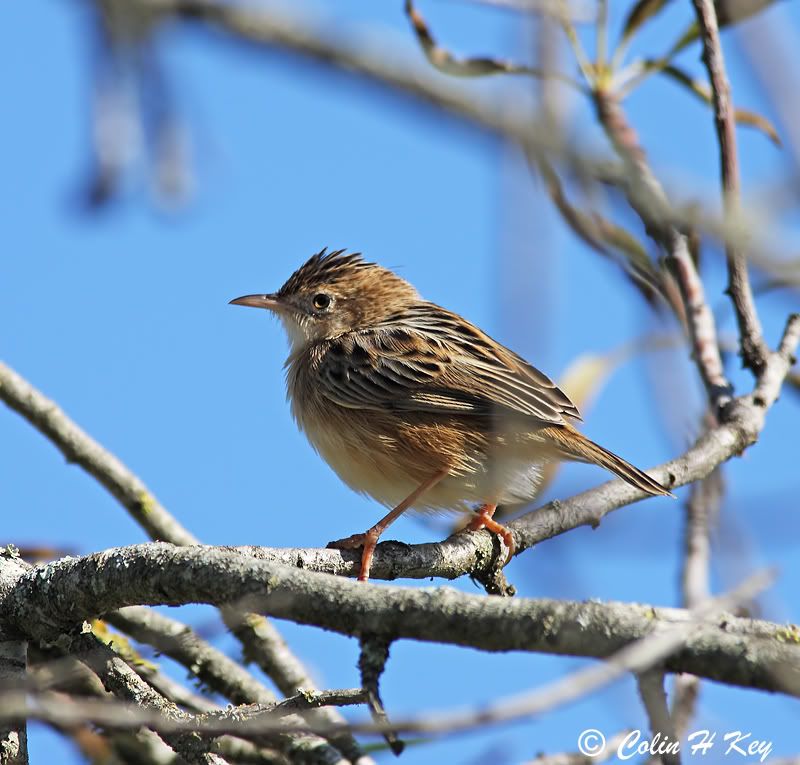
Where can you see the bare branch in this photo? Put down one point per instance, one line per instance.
(753, 349)
(55, 597)
(253, 720)
(648, 198)
(260, 639)
(181, 643)
(79, 447)
(371, 663)
(701, 509)
(123, 682)
(654, 698)
(639, 656)
(13, 669)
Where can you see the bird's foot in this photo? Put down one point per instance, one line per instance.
(367, 540)
(484, 520)
(353, 542)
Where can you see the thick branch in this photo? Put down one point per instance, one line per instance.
(55, 598)
(13, 669)
(639, 656)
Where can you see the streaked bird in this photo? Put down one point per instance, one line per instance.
(413, 405)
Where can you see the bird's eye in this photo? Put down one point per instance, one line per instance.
(321, 300)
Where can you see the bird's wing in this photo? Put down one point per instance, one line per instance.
(437, 364)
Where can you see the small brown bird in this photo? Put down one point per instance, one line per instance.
(413, 405)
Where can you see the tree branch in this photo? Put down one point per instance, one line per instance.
(174, 639)
(123, 682)
(647, 197)
(638, 656)
(654, 698)
(54, 598)
(261, 640)
(753, 348)
(474, 553)
(701, 508)
(80, 448)
(13, 667)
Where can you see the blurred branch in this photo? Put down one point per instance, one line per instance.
(124, 683)
(769, 43)
(379, 61)
(702, 508)
(651, 690)
(753, 348)
(144, 707)
(601, 234)
(212, 667)
(178, 641)
(578, 758)
(648, 199)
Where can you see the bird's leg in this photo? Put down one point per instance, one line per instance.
(483, 520)
(369, 538)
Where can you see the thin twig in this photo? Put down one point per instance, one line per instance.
(753, 348)
(648, 198)
(371, 663)
(247, 721)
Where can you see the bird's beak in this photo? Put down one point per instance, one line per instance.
(270, 302)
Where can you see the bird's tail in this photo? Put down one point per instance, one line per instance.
(573, 445)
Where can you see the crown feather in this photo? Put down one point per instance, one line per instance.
(324, 268)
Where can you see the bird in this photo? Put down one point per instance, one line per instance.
(416, 407)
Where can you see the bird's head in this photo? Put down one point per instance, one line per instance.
(334, 293)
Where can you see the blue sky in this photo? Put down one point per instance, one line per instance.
(122, 318)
